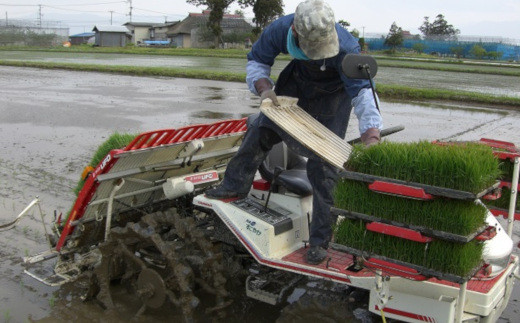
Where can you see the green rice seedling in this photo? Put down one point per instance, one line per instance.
(7, 316)
(442, 214)
(469, 167)
(507, 167)
(446, 257)
(115, 141)
(504, 200)
(52, 301)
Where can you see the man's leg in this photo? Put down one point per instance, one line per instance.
(333, 112)
(241, 169)
(323, 178)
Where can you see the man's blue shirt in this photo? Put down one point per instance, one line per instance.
(273, 41)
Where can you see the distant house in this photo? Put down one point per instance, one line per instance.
(160, 31)
(82, 38)
(187, 33)
(143, 31)
(111, 36)
(408, 35)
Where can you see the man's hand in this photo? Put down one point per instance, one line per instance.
(263, 87)
(269, 94)
(371, 136)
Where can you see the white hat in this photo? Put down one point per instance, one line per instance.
(315, 25)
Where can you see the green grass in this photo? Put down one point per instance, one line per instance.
(115, 141)
(135, 70)
(414, 61)
(224, 53)
(469, 167)
(401, 92)
(503, 201)
(442, 214)
(385, 91)
(507, 167)
(451, 66)
(450, 258)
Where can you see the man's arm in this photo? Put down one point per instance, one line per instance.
(370, 121)
(365, 109)
(272, 42)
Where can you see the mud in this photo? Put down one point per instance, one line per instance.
(51, 122)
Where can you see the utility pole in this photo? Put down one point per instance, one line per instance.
(111, 12)
(6, 20)
(130, 14)
(40, 16)
(363, 31)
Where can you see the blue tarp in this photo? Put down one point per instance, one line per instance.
(157, 42)
(509, 52)
(89, 34)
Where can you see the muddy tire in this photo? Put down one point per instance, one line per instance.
(163, 257)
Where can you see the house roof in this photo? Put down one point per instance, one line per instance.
(111, 29)
(166, 24)
(89, 34)
(150, 24)
(140, 24)
(194, 20)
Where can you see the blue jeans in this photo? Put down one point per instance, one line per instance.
(327, 101)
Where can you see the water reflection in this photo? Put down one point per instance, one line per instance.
(212, 115)
(458, 106)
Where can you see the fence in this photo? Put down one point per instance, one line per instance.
(445, 48)
(25, 32)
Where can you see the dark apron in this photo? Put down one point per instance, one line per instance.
(320, 93)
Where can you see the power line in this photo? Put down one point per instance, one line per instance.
(88, 4)
(162, 13)
(18, 5)
(130, 14)
(75, 10)
(60, 5)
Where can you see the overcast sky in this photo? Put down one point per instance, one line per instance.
(471, 17)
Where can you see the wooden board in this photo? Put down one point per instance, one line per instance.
(307, 130)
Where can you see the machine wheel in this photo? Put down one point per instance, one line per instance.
(316, 310)
(164, 256)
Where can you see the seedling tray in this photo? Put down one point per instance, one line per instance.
(501, 149)
(441, 235)
(420, 269)
(504, 213)
(414, 190)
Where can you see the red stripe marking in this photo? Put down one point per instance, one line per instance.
(399, 189)
(392, 230)
(504, 213)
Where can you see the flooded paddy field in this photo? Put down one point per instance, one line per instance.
(472, 82)
(52, 121)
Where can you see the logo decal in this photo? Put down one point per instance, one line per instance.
(201, 178)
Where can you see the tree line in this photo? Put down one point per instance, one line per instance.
(265, 11)
(441, 30)
(13, 36)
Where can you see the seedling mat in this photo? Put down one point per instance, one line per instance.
(420, 269)
(441, 235)
(433, 190)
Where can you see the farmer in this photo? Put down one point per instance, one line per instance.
(318, 46)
